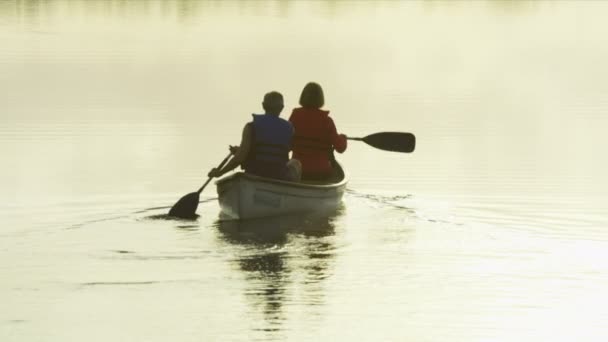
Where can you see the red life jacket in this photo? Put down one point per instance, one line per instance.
(314, 140)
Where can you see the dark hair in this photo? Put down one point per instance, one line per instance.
(312, 96)
(273, 102)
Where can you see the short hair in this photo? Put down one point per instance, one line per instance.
(312, 96)
(273, 102)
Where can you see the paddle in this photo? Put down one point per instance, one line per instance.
(390, 141)
(186, 206)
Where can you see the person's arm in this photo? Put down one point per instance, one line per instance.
(337, 140)
(240, 156)
(291, 120)
(292, 116)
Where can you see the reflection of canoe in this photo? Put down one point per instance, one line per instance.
(274, 231)
(245, 196)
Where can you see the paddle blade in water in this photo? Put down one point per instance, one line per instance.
(186, 206)
(392, 141)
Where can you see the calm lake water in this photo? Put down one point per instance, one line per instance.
(494, 229)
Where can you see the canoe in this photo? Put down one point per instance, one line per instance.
(245, 196)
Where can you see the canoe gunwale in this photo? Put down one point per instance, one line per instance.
(235, 176)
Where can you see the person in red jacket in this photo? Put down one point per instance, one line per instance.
(315, 137)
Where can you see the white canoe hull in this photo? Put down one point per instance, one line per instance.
(244, 196)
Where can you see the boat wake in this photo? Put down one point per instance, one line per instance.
(146, 212)
(390, 201)
(414, 207)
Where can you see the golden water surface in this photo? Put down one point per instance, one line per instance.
(494, 229)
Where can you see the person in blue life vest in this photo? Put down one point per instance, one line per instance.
(265, 145)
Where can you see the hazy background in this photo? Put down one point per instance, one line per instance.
(495, 228)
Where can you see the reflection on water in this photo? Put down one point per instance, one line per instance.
(284, 260)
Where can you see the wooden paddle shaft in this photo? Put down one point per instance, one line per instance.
(219, 167)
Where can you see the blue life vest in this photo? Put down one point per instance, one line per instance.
(270, 146)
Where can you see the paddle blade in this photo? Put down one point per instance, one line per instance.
(392, 141)
(186, 206)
